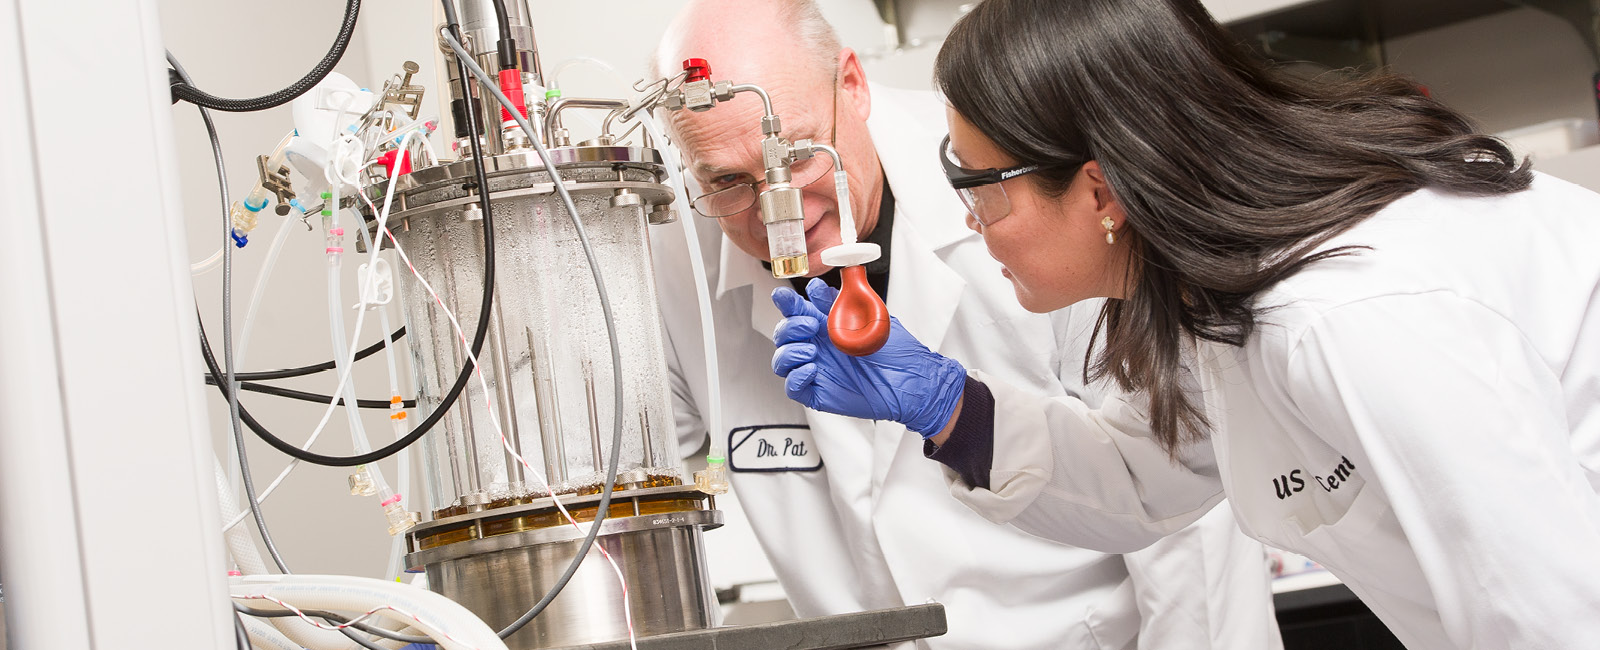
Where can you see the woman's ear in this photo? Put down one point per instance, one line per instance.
(1104, 200)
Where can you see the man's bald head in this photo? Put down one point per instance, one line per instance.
(747, 35)
(818, 89)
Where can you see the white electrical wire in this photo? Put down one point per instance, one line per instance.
(402, 607)
(245, 556)
(214, 262)
(250, 314)
(344, 373)
(264, 636)
(358, 431)
(494, 420)
(555, 79)
(207, 265)
(718, 448)
(348, 623)
(261, 285)
(464, 59)
(393, 567)
(341, 352)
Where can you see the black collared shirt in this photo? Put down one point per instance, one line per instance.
(877, 270)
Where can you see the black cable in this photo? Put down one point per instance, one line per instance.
(606, 490)
(316, 367)
(360, 640)
(279, 391)
(256, 427)
(507, 47)
(187, 92)
(479, 335)
(231, 394)
(336, 619)
(240, 637)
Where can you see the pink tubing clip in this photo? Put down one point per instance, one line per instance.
(335, 249)
(390, 500)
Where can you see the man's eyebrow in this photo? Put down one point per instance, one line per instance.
(710, 171)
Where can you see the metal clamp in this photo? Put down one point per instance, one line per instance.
(405, 94)
(277, 182)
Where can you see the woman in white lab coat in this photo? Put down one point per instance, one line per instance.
(1335, 303)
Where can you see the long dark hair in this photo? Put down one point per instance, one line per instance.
(1231, 175)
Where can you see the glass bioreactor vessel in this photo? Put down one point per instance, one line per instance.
(496, 540)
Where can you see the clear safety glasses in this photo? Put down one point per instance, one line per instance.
(735, 199)
(982, 190)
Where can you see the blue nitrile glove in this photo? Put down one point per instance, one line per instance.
(904, 382)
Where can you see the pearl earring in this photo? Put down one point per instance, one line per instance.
(1111, 233)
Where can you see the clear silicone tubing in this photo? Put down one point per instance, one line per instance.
(718, 452)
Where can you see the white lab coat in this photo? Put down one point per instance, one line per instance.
(1422, 418)
(862, 521)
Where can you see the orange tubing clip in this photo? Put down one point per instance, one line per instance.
(858, 324)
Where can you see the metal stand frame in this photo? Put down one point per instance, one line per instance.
(108, 512)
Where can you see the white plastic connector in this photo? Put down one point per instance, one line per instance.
(336, 97)
(713, 479)
(334, 106)
(851, 254)
(244, 219)
(376, 283)
(361, 484)
(400, 519)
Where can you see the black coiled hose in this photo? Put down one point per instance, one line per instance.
(188, 93)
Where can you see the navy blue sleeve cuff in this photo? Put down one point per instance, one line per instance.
(970, 449)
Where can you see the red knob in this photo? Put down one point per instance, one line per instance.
(388, 162)
(858, 324)
(698, 69)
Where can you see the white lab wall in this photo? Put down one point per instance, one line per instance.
(1509, 70)
(1506, 70)
(240, 49)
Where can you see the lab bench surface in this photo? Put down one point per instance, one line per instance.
(1326, 615)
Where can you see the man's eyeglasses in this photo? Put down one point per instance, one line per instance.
(982, 190)
(735, 199)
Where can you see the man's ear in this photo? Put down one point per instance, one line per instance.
(853, 91)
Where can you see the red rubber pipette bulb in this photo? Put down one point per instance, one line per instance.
(858, 324)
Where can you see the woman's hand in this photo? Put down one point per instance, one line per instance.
(904, 382)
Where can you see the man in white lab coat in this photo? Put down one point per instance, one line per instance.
(848, 512)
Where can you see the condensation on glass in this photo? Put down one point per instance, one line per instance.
(547, 360)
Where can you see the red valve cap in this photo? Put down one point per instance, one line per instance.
(387, 160)
(698, 69)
